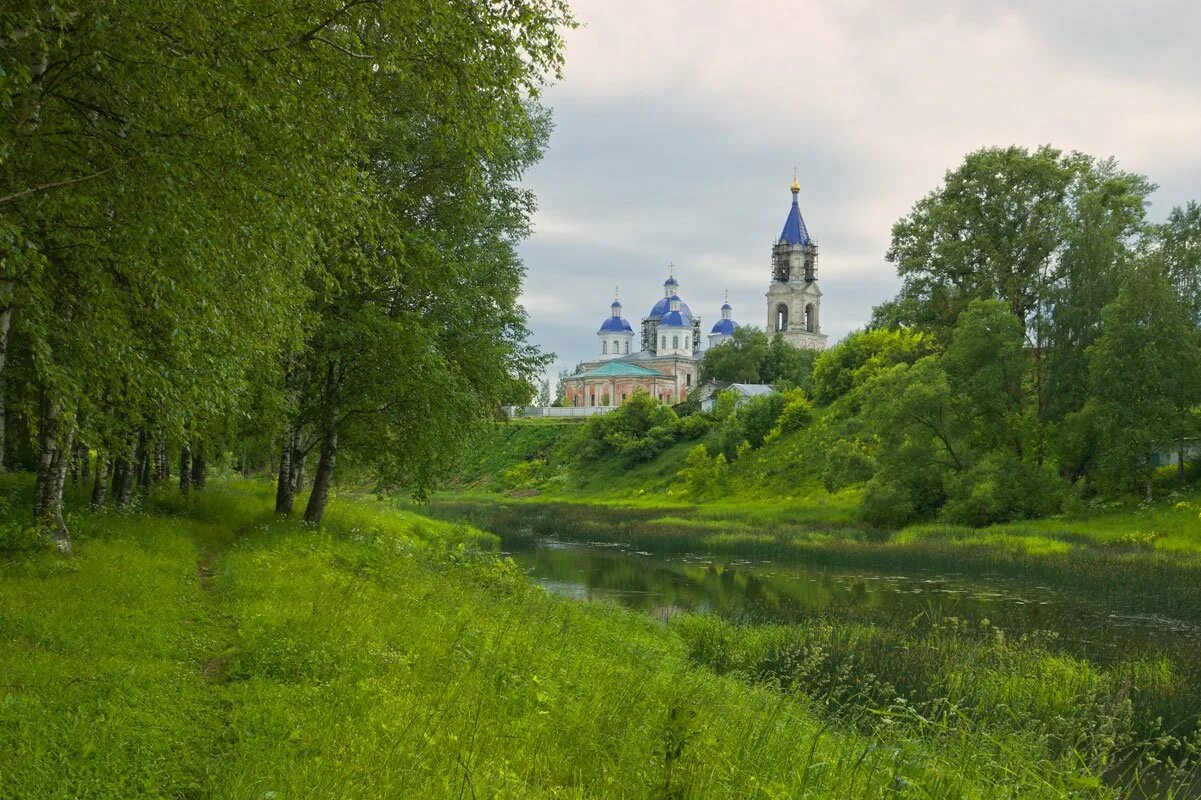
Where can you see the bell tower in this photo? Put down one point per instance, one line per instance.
(793, 298)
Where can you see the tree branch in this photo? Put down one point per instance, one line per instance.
(45, 187)
(342, 49)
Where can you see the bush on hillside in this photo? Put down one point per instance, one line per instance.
(638, 430)
(694, 426)
(862, 355)
(704, 475)
(725, 405)
(796, 415)
(848, 461)
(750, 423)
(1000, 488)
(524, 475)
(758, 415)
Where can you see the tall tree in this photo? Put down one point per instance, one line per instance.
(1145, 372)
(1044, 232)
(988, 232)
(1106, 213)
(1179, 242)
(738, 359)
(414, 331)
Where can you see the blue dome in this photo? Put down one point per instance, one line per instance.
(615, 304)
(724, 326)
(664, 306)
(675, 319)
(615, 325)
(671, 281)
(726, 307)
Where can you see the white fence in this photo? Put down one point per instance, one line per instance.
(525, 412)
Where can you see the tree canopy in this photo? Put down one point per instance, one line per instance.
(305, 212)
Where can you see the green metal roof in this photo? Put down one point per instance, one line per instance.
(623, 369)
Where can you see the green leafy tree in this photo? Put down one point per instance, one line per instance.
(787, 366)
(1179, 243)
(416, 334)
(704, 476)
(1145, 371)
(952, 431)
(989, 232)
(1106, 213)
(750, 356)
(638, 430)
(863, 354)
(1043, 232)
(739, 359)
(146, 286)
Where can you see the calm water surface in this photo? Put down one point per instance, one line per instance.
(769, 591)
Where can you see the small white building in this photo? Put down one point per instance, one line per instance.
(745, 390)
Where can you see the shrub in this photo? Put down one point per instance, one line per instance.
(999, 488)
(16, 538)
(848, 461)
(758, 415)
(886, 504)
(703, 475)
(796, 414)
(524, 475)
(638, 430)
(693, 426)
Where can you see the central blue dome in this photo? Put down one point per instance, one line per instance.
(615, 325)
(664, 305)
(724, 326)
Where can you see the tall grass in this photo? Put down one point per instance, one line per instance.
(201, 649)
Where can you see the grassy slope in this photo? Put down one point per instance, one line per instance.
(205, 650)
(775, 499)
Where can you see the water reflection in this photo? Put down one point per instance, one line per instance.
(765, 591)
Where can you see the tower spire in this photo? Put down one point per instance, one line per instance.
(796, 185)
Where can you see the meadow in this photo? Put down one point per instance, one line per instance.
(201, 648)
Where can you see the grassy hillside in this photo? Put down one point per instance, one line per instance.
(203, 650)
(774, 502)
(524, 458)
(544, 458)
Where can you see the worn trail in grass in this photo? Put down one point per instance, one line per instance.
(381, 658)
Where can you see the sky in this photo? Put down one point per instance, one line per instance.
(678, 126)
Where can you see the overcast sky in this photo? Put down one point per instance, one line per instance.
(677, 126)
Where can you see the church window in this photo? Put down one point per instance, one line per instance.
(627, 347)
(810, 318)
(675, 343)
(782, 317)
(688, 379)
(662, 342)
(604, 347)
(616, 347)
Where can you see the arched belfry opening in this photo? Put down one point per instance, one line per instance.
(811, 318)
(782, 317)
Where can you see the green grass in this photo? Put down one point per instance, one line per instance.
(201, 649)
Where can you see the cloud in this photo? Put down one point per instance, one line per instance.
(678, 124)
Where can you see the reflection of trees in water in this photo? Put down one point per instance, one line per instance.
(777, 591)
(649, 582)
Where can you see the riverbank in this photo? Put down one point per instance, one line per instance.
(203, 649)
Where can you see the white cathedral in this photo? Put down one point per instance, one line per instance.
(665, 361)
